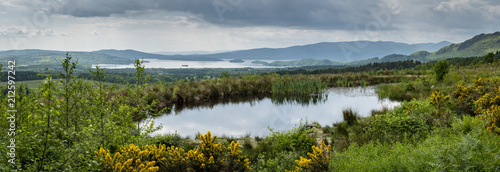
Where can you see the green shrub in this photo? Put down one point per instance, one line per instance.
(407, 120)
(168, 140)
(278, 163)
(296, 140)
(441, 69)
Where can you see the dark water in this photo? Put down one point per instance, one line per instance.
(253, 115)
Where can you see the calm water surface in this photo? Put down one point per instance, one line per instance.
(175, 64)
(240, 117)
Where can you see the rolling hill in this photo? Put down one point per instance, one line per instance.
(334, 51)
(132, 54)
(478, 45)
(46, 57)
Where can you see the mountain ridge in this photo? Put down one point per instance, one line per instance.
(353, 52)
(478, 45)
(335, 51)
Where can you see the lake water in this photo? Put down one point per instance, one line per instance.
(176, 64)
(242, 116)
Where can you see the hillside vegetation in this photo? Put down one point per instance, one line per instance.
(479, 45)
(450, 123)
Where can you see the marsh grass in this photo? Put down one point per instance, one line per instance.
(195, 92)
(350, 117)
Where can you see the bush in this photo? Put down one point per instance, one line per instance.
(168, 140)
(489, 58)
(319, 159)
(131, 158)
(281, 162)
(482, 98)
(407, 120)
(296, 140)
(210, 156)
(441, 69)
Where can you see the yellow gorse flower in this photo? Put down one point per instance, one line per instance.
(209, 156)
(319, 159)
(483, 99)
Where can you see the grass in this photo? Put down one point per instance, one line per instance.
(350, 117)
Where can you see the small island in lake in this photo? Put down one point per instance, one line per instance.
(236, 61)
(260, 62)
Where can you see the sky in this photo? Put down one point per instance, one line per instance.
(222, 25)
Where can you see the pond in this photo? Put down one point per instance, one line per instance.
(254, 116)
(176, 64)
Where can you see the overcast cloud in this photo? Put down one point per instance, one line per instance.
(211, 25)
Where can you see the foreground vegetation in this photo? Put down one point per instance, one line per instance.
(448, 123)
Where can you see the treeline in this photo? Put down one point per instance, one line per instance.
(22, 76)
(399, 65)
(464, 61)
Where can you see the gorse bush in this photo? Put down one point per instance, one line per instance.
(319, 159)
(481, 98)
(438, 99)
(131, 158)
(210, 156)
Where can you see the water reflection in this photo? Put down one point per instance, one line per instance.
(237, 116)
(210, 104)
(304, 100)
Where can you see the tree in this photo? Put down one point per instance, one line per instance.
(489, 58)
(441, 69)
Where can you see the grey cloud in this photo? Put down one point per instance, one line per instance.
(24, 31)
(311, 14)
(465, 14)
(320, 14)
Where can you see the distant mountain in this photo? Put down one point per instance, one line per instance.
(334, 51)
(132, 54)
(26, 52)
(46, 57)
(431, 47)
(478, 45)
(186, 52)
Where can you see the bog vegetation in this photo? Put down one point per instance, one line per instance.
(449, 120)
